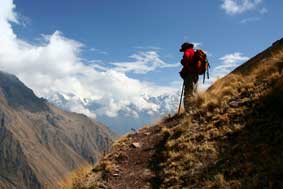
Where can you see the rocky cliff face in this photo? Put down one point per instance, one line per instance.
(39, 143)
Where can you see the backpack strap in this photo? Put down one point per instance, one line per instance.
(207, 71)
(208, 67)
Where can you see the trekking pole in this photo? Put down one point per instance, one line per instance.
(181, 97)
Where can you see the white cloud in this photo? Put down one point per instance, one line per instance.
(144, 62)
(7, 11)
(153, 48)
(248, 20)
(233, 58)
(263, 10)
(197, 45)
(233, 7)
(98, 51)
(55, 66)
(228, 63)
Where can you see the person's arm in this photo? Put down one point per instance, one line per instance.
(184, 62)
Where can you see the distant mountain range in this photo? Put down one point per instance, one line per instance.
(128, 118)
(40, 143)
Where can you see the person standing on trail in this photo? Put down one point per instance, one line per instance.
(189, 74)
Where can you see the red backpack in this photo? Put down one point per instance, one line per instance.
(201, 63)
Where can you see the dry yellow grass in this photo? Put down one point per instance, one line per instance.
(72, 179)
(223, 144)
(200, 147)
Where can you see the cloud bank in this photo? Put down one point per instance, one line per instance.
(54, 66)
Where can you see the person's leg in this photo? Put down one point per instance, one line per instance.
(195, 84)
(188, 93)
(190, 90)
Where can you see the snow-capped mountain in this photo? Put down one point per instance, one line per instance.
(128, 117)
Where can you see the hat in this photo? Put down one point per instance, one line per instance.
(186, 46)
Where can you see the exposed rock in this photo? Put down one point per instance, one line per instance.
(234, 104)
(133, 130)
(147, 133)
(39, 143)
(136, 145)
(115, 174)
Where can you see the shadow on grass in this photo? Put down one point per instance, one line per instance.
(155, 163)
(253, 156)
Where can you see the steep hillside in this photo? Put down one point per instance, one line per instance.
(232, 139)
(39, 143)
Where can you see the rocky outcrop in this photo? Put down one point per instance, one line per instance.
(40, 143)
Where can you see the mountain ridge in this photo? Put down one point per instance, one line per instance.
(232, 139)
(17, 94)
(40, 144)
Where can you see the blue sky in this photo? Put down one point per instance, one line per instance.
(118, 53)
(118, 28)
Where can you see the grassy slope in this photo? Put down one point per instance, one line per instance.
(233, 139)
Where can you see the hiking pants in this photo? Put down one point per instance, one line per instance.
(190, 83)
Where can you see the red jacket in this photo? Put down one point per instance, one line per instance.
(188, 57)
(187, 60)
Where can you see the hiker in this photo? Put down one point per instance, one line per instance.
(194, 63)
(189, 74)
